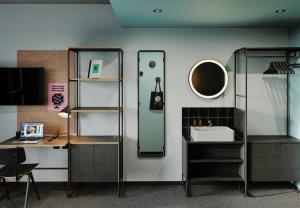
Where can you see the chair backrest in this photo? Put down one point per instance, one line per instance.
(12, 156)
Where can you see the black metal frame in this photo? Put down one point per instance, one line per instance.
(120, 111)
(152, 154)
(289, 52)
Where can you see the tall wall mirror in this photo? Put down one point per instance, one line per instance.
(151, 103)
(208, 79)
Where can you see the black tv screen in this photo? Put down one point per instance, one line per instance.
(22, 86)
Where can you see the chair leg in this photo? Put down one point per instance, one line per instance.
(6, 189)
(34, 186)
(27, 188)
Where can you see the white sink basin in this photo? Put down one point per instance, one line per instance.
(212, 134)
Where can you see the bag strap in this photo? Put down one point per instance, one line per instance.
(156, 87)
(157, 80)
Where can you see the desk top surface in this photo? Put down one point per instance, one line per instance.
(61, 141)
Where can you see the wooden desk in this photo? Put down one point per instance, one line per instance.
(59, 142)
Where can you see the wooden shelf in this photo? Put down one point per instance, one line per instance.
(95, 109)
(218, 178)
(102, 79)
(227, 160)
(94, 140)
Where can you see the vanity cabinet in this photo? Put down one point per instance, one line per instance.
(274, 160)
(212, 161)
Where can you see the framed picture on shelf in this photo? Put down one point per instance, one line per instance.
(95, 69)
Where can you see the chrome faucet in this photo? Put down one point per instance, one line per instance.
(209, 123)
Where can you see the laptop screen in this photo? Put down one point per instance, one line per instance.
(32, 130)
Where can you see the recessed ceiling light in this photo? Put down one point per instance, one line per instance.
(280, 11)
(157, 10)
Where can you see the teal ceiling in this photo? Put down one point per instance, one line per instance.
(207, 13)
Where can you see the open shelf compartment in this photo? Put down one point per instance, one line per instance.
(215, 172)
(215, 153)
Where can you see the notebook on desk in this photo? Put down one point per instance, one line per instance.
(31, 132)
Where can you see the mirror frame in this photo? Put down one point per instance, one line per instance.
(225, 75)
(152, 154)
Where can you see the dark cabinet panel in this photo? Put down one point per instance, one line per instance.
(289, 161)
(82, 163)
(274, 162)
(94, 163)
(106, 163)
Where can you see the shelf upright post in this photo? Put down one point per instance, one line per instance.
(78, 84)
(235, 71)
(245, 133)
(68, 133)
(119, 124)
(287, 97)
(122, 82)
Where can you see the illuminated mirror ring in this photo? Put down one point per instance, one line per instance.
(220, 80)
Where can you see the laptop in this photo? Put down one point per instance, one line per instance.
(31, 132)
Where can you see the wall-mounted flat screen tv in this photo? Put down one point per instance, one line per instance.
(22, 86)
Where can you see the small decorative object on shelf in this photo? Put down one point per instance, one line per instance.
(200, 122)
(95, 69)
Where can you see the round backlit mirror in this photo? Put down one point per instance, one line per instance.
(208, 79)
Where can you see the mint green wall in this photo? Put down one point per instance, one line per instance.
(294, 105)
(205, 13)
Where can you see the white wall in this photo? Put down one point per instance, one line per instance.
(267, 99)
(60, 26)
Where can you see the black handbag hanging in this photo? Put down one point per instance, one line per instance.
(157, 97)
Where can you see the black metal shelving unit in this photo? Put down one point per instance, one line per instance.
(91, 143)
(257, 152)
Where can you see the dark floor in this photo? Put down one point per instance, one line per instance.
(139, 196)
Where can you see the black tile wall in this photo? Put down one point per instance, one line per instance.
(218, 116)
